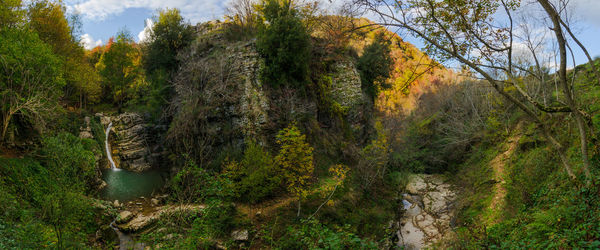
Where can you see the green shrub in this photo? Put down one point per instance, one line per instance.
(70, 160)
(314, 235)
(195, 184)
(42, 210)
(256, 177)
(284, 43)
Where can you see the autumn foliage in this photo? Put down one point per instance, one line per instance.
(295, 159)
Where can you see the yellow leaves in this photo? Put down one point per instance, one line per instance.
(295, 159)
(339, 173)
(330, 203)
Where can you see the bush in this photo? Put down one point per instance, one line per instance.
(194, 184)
(70, 160)
(314, 235)
(256, 176)
(284, 43)
(42, 210)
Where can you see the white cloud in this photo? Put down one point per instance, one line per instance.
(145, 33)
(195, 11)
(88, 42)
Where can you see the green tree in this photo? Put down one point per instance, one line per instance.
(284, 43)
(169, 35)
(295, 159)
(30, 79)
(120, 68)
(374, 158)
(11, 14)
(375, 66)
(49, 21)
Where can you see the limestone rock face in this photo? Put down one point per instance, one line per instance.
(238, 110)
(133, 142)
(346, 85)
(346, 90)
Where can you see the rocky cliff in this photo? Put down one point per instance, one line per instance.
(134, 143)
(233, 105)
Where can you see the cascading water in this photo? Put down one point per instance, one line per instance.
(108, 153)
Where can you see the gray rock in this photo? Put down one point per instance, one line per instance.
(155, 202)
(102, 185)
(130, 140)
(84, 134)
(124, 217)
(116, 203)
(138, 223)
(416, 185)
(240, 235)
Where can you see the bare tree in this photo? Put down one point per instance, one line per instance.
(199, 85)
(27, 93)
(468, 32)
(243, 13)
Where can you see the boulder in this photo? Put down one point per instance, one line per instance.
(428, 212)
(138, 223)
(107, 234)
(142, 221)
(102, 185)
(116, 203)
(84, 134)
(240, 235)
(124, 217)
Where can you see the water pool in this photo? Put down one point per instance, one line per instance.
(126, 185)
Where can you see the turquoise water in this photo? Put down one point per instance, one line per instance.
(125, 185)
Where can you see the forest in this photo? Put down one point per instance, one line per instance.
(287, 124)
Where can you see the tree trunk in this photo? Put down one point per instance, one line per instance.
(5, 124)
(298, 207)
(562, 73)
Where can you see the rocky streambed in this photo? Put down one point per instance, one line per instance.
(140, 215)
(428, 211)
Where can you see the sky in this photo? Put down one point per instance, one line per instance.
(102, 19)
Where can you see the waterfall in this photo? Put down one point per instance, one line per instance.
(108, 154)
